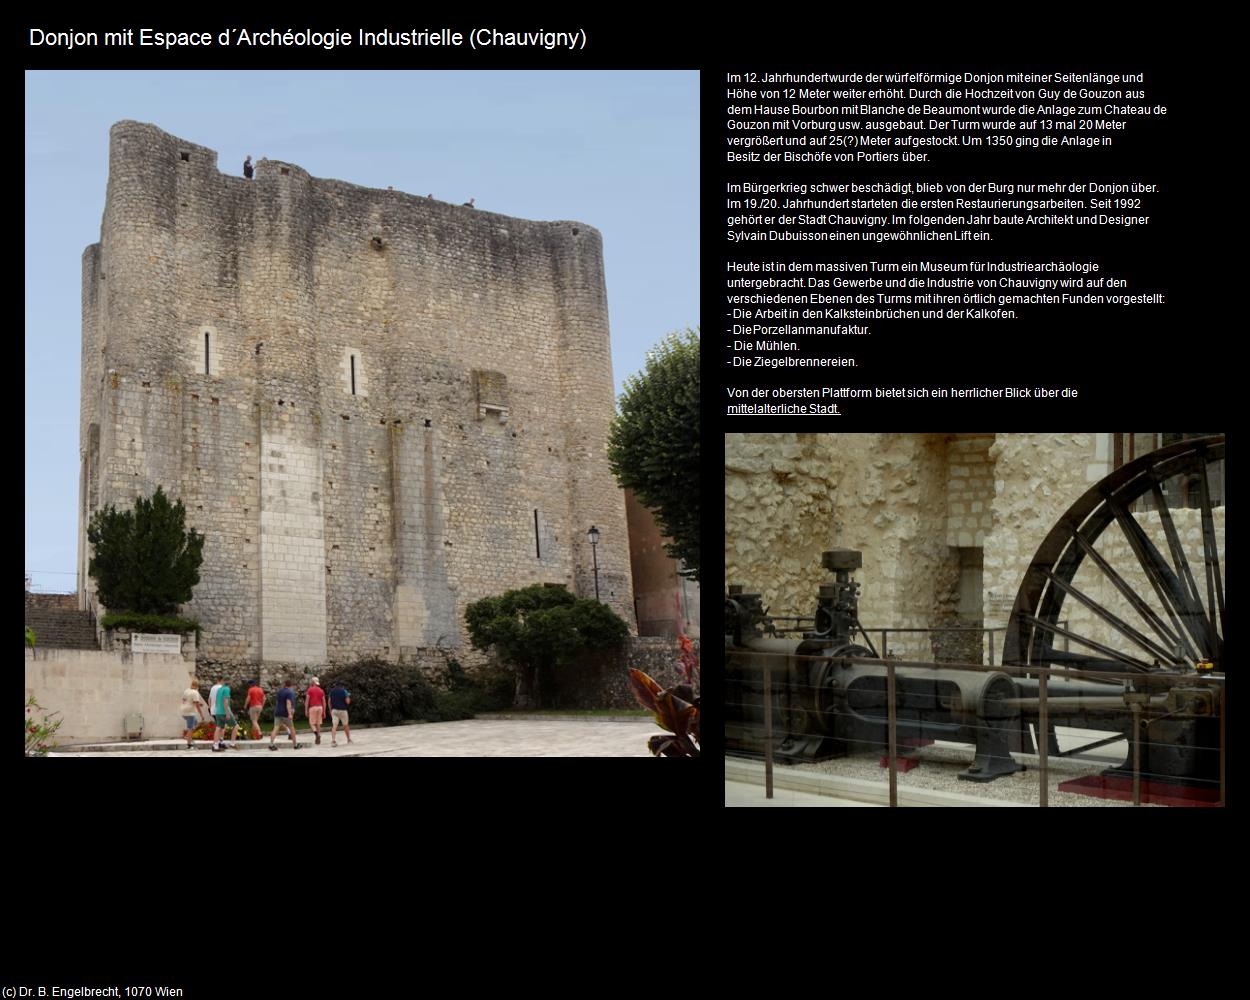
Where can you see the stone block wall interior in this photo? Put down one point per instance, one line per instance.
(226, 323)
(790, 497)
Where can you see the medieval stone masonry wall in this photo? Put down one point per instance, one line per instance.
(339, 523)
(1036, 478)
(790, 497)
(970, 495)
(1039, 476)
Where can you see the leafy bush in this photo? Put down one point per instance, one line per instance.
(30, 636)
(391, 693)
(544, 632)
(498, 689)
(387, 693)
(451, 706)
(149, 623)
(39, 732)
(493, 690)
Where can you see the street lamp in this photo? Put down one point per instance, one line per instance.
(593, 535)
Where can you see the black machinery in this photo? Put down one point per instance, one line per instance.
(829, 687)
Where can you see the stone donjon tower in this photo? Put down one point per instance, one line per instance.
(377, 407)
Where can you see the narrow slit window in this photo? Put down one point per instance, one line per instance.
(353, 374)
(207, 369)
(538, 552)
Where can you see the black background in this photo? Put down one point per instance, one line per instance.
(658, 828)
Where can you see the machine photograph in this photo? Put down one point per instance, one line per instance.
(975, 619)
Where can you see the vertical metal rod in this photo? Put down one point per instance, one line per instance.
(1136, 754)
(768, 732)
(884, 648)
(991, 663)
(594, 552)
(1043, 740)
(893, 738)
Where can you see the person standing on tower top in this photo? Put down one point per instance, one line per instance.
(247, 167)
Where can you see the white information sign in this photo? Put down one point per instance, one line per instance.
(147, 642)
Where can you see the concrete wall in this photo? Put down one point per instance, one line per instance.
(95, 691)
(344, 524)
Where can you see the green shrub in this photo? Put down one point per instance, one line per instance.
(136, 622)
(387, 693)
(546, 633)
(390, 693)
(498, 690)
(492, 690)
(40, 730)
(451, 706)
(144, 559)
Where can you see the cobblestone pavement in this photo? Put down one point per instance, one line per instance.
(472, 738)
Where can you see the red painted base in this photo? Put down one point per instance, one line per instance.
(905, 764)
(1158, 792)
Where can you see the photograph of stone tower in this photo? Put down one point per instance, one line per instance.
(377, 405)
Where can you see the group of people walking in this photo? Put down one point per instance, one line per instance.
(196, 710)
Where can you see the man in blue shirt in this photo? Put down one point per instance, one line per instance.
(340, 698)
(284, 715)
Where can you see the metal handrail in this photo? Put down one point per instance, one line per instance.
(1043, 674)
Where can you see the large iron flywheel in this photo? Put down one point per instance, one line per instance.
(1131, 577)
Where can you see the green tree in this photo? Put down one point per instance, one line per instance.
(144, 559)
(542, 630)
(653, 447)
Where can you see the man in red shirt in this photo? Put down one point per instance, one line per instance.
(315, 707)
(255, 702)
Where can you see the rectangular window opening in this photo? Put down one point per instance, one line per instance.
(353, 374)
(207, 370)
(538, 552)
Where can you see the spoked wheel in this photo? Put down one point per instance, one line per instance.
(1146, 597)
(1131, 580)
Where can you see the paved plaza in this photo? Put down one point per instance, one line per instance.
(535, 737)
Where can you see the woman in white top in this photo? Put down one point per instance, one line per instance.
(194, 711)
